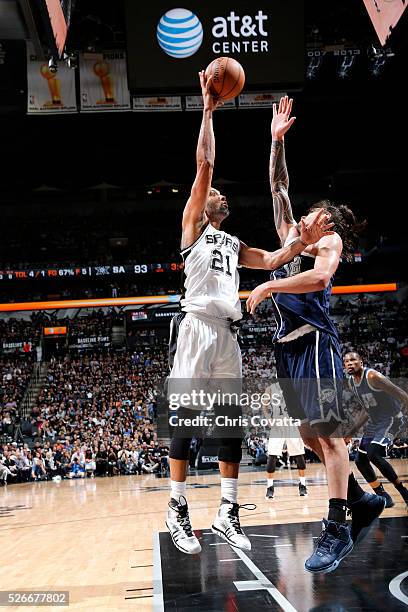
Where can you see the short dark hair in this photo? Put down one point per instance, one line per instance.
(353, 353)
(345, 224)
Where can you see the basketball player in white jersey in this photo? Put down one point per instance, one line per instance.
(278, 435)
(206, 347)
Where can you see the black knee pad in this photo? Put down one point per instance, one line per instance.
(375, 451)
(364, 467)
(271, 464)
(180, 448)
(230, 450)
(300, 462)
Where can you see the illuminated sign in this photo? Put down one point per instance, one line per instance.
(166, 46)
(55, 331)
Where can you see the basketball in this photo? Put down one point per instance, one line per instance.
(228, 78)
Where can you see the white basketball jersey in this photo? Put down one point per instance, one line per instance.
(211, 276)
(277, 405)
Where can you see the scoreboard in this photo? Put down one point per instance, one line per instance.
(89, 271)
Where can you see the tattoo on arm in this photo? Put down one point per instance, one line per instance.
(279, 180)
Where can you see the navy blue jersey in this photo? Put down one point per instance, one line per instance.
(378, 404)
(292, 310)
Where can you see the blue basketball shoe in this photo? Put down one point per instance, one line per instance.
(333, 545)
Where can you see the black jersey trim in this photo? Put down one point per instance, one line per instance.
(189, 248)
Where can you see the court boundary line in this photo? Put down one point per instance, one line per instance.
(264, 583)
(158, 602)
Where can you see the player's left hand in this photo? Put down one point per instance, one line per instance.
(258, 295)
(315, 226)
(282, 120)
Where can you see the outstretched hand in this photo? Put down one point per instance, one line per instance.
(315, 226)
(258, 295)
(281, 120)
(210, 101)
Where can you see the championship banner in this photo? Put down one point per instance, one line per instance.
(145, 105)
(103, 81)
(194, 103)
(50, 92)
(259, 100)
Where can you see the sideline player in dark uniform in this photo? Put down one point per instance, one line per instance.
(381, 401)
(308, 355)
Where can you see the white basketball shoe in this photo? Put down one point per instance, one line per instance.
(178, 523)
(227, 525)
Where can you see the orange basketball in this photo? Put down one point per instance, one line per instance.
(228, 78)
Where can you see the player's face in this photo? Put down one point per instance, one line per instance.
(217, 206)
(352, 363)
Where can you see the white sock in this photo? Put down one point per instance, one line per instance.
(229, 489)
(178, 489)
(302, 480)
(270, 482)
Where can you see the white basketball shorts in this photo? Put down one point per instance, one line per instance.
(206, 348)
(295, 446)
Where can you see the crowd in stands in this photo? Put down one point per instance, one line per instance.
(377, 328)
(30, 329)
(94, 415)
(15, 373)
(96, 410)
(17, 330)
(62, 460)
(112, 237)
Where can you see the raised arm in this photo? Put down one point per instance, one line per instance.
(193, 216)
(327, 259)
(278, 174)
(311, 233)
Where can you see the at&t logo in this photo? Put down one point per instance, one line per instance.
(180, 33)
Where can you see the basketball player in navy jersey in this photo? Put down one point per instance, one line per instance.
(206, 347)
(308, 355)
(381, 401)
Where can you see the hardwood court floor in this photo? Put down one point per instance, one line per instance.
(93, 538)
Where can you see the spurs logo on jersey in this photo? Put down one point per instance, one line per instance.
(211, 276)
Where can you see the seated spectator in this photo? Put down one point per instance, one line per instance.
(38, 471)
(76, 470)
(90, 465)
(101, 461)
(112, 462)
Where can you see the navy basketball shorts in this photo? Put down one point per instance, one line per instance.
(367, 440)
(379, 432)
(310, 373)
